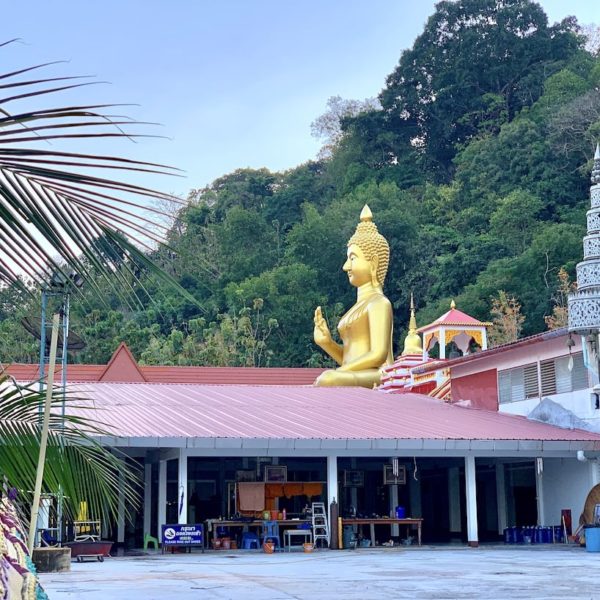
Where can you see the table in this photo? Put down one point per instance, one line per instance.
(289, 533)
(382, 521)
(212, 524)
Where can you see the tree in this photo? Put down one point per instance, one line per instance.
(560, 311)
(328, 126)
(476, 65)
(515, 220)
(506, 318)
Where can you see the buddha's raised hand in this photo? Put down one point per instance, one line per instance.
(322, 335)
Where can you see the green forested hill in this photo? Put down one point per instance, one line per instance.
(475, 162)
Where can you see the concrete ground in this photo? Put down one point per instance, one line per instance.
(498, 572)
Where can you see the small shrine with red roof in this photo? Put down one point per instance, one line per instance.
(454, 326)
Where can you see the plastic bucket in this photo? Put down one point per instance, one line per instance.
(400, 512)
(592, 538)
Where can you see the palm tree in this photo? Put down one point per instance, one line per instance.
(76, 462)
(59, 213)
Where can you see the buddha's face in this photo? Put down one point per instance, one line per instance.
(357, 266)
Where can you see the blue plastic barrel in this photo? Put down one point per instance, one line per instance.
(592, 538)
(518, 535)
(400, 512)
(558, 534)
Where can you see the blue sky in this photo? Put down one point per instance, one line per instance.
(233, 83)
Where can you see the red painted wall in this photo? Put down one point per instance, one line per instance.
(480, 388)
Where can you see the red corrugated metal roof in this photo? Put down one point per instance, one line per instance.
(27, 373)
(231, 375)
(165, 374)
(293, 412)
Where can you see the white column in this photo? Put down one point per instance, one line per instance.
(594, 472)
(539, 490)
(484, 339)
(162, 496)
(454, 500)
(442, 342)
(147, 498)
(182, 488)
(332, 483)
(121, 512)
(501, 498)
(471, 494)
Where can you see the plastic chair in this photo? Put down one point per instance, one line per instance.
(270, 532)
(249, 541)
(149, 539)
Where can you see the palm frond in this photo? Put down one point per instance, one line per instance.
(76, 462)
(53, 210)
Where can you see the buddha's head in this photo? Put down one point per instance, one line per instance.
(372, 245)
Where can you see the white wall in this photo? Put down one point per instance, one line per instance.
(567, 483)
(578, 402)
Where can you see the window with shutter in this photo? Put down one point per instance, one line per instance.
(579, 374)
(517, 384)
(504, 387)
(548, 377)
(530, 377)
(563, 374)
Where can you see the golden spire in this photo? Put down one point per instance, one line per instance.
(412, 343)
(452, 304)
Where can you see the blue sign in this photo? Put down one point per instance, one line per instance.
(183, 535)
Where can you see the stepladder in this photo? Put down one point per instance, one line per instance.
(320, 525)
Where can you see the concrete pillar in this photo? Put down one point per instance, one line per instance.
(147, 498)
(539, 490)
(182, 488)
(501, 498)
(332, 483)
(454, 500)
(162, 496)
(121, 512)
(353, 490)
(594, 472)
(395, 529)
(471, 495)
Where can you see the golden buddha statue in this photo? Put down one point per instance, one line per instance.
(366, 329)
